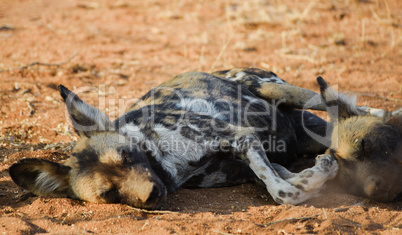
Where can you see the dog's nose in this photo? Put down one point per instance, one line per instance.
(376, 189)
(156, 196)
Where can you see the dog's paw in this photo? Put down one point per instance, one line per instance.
(327, 164)
(311, 179)
(289, 194)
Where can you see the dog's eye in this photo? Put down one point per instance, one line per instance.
(364, 149)
(362, 153)
(366, 145)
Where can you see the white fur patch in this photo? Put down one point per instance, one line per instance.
(238, 76)
(273, 79)
(132, 131)
(250, 98)
(375, 112)
(176, 148)
(198, 106)
(47, 183)
(397, 112)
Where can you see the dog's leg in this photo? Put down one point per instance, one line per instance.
(311, 179)
(290, 95)
(221, 173)
(243, 143)
(283, 172)
(268, 86)
(249, 148)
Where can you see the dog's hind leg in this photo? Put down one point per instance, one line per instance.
(268, 86)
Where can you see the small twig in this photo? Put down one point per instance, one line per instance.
(299, 57)
(325, 213)
(223, 49)
(153, 212)
(291, 219)
(362, 203)
(40, 63)
(388, 9)
(145, 224)
(363, 39)
(342, 209)
(6, 27)
(32, 109)
(379, 97)
(307, 10)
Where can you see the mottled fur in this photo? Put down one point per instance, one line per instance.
(367, 147)
(195, 130)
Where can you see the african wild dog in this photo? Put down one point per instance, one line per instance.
(195, 130)
(368, 148)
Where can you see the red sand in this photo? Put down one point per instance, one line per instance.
(124, 48)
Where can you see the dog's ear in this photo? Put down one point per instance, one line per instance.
(339, 106)
(42, 177)
(86, 119)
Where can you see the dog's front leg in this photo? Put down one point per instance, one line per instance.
(283, 192)
(311, 179)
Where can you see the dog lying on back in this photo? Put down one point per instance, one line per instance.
(220, 129)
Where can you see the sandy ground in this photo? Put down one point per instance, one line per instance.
(112, 52)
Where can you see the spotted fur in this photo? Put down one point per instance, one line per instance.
(195, 130)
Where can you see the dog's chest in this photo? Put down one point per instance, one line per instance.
(178, 151)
